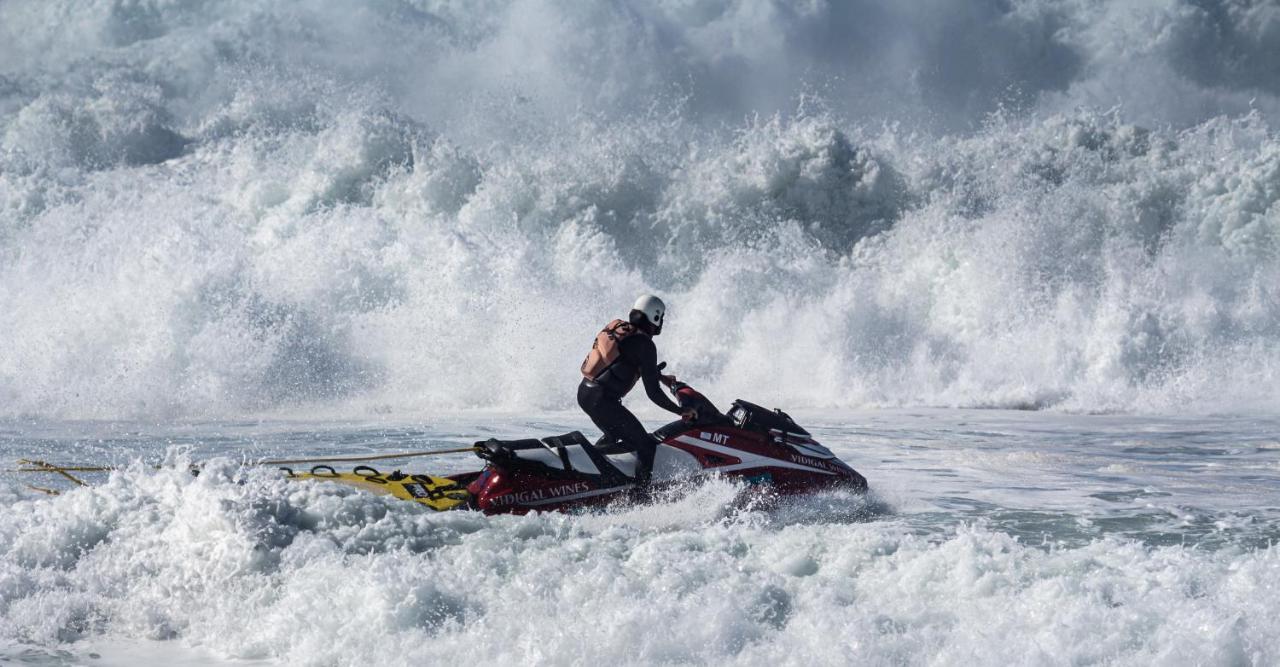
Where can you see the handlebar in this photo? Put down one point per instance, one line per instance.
(695, 405)
(669, 380)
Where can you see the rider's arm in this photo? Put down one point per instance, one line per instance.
(649, 373)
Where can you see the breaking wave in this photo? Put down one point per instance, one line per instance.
(218, 208)
(168, 556)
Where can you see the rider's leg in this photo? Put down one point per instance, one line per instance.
(631, 431)
(617, 422)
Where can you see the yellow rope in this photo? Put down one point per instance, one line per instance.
(48, 467)
(65, 471)
(379, 457)
(53, 468)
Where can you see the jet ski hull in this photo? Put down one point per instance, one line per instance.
(785, 464)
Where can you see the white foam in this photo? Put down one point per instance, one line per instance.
(308, 573)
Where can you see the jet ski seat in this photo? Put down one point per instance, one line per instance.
(566, 454)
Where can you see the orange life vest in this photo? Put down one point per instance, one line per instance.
(606, 349)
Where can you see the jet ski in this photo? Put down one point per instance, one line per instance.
(759, 446)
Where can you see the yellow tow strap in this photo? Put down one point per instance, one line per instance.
(41, 466)
(363, 457)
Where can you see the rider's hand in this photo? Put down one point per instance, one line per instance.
(667, 379)
(689, 415)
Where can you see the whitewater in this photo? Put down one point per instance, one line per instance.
(1016, 262)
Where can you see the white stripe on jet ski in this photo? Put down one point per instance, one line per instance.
(577, 496)
(807, 446)
(748, 459)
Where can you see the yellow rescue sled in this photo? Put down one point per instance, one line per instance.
(438, 493)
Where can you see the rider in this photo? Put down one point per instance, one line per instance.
(622, 354)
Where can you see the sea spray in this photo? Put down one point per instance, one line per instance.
(207, 210)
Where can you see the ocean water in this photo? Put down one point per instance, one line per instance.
(1017, 261)
(988, 537)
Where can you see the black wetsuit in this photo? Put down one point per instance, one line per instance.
(602, 399)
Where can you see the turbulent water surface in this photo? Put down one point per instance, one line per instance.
(989, 536)
(1017, 260)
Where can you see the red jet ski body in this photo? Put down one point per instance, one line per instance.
(562, 473)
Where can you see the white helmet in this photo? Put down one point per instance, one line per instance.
(654, 310)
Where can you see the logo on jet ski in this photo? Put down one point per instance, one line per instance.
(526, 497)
(810, 461)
